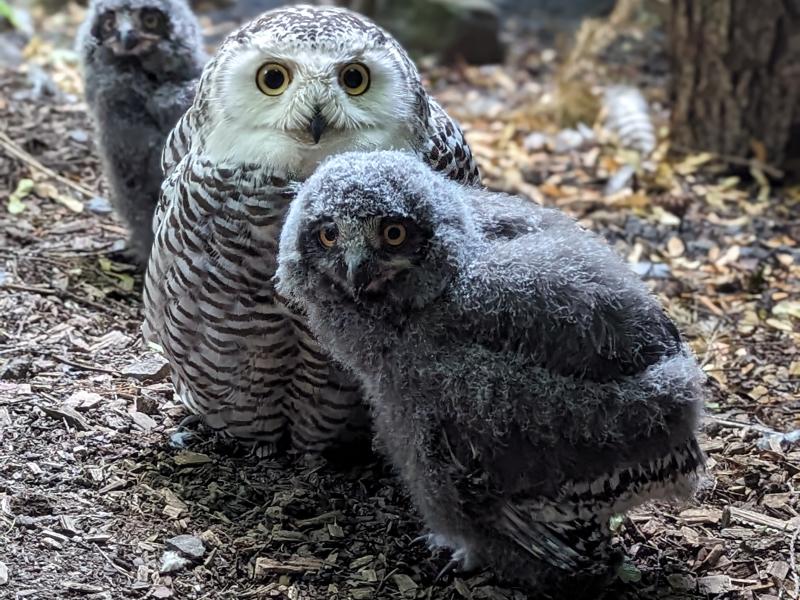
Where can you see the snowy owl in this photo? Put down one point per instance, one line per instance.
(284, 92)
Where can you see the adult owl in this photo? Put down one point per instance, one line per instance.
(524, 382)
(282, 93)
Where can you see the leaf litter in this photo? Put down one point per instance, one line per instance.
(93, 496)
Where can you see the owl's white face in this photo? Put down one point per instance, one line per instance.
(290, 108)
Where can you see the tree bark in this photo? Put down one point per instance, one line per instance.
(736, 78)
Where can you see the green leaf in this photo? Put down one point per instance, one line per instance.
(629, 573)
(7, 13)
(615, 523)
(24, 187)
(113, 270)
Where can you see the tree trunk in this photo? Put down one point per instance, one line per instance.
(736, 78)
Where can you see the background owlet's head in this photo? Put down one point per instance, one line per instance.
(379, 230)
(161, 33)
(301, 83)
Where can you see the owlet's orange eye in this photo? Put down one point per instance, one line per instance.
(394, 234)
(328, 235)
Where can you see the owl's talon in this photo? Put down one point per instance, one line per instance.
(421, 538)
(189, 421)
(447, 569)
(462, 561)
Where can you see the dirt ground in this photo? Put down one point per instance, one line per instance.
(92, 493)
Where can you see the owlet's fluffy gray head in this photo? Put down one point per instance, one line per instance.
(377, 229)
(161, 36)
(301, 83)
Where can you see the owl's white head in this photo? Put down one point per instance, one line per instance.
(302, 83)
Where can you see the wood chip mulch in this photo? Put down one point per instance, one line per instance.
(95, 502)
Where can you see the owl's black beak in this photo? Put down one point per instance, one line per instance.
(317, 126)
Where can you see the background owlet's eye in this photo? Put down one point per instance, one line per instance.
(272, 79)
(394, 234)
(328, 235)
(354, 79)
(152, 20)
(107, 22)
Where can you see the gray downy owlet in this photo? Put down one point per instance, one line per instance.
(285, 91)
(524, 382)
(141, 61)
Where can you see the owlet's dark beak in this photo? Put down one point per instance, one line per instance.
(317, 126)
(129, 40)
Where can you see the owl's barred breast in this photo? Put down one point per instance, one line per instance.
(240, 357)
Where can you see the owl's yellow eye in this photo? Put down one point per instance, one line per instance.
(272, 79)
(394, 234)
(354, 78)
(328, 235)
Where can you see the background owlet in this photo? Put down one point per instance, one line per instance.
(141, 60)
(283, 92)
(524, 382)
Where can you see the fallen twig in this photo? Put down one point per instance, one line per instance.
(114, 565)
(83, 366)
(16, 152)
(731, 513)
(740, 425)
(793, 561)
(54, 292)
(770, 170)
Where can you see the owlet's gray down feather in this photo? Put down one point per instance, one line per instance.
(524, 382)
(141, 61)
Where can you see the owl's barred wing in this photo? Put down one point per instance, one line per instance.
(179, 142)
(177, 146)
(446, 150)
(568, 527)
(571, 528)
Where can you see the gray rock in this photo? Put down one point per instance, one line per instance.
(79, 135)
(535, 141)
(150, 367)
(566, 140)
(449, 29)
(188, 545)
(99, 205)
(650, 270)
